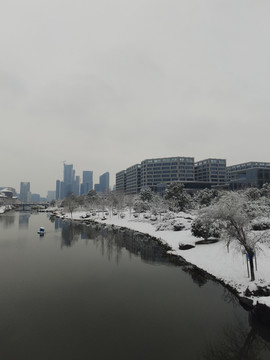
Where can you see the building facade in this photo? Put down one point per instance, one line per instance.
(211, 170)
(133, 179)
(76, 185)
(250, 174)
(25, 194)
(51, 195)
(166, 170)
(87, 182)
(68, 186)
(155, 174)
(104, 182)
(120, 181)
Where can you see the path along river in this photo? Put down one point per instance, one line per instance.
(77, 293)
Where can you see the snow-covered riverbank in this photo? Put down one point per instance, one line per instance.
(229, 267)
(5, 208)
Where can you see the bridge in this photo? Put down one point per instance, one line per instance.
(31, 206)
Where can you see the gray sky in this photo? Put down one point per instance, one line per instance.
(106, 84)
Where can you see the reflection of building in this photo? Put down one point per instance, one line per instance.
(25, 195)
(24, 220)
(248, 174)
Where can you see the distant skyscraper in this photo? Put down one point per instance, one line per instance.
(97, 187)
(51, 195)
(87, 183)
(62, 186)
(77, 186)
(68, 180)
(58, 190)
(25, 195)
(104, 182)
(35, 198)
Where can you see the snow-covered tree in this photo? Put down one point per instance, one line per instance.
(204, 227)
(146, 194)
(253, 193)
(177, 196)
(265, 190)
(204, 197)
(158, 205)
(141, 206)
(232, 211)
(129, 201)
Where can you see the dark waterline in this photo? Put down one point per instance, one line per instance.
(81, 293)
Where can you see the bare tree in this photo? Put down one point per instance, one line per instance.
(70, 203)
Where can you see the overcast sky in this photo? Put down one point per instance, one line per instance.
(106, 84)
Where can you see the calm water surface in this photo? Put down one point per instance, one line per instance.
(77, 294)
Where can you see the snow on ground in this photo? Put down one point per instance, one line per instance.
(2, 209)
(230, 267)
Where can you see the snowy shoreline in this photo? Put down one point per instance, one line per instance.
(5, 208)
(230, 269)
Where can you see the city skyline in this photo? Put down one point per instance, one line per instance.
(103, 85)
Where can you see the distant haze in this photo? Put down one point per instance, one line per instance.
(106, 84)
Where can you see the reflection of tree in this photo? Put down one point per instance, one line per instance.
(111, 241)
(7, 220)
(197, 275)
(230, 298)
(238, 343)
(70, 234)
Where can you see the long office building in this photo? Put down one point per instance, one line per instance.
(249, 174)
(156, 174)
(166, 170)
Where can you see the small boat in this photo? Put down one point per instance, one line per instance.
(41, 231)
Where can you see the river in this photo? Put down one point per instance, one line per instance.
(79, 293)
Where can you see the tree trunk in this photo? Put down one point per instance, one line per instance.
(251, 263)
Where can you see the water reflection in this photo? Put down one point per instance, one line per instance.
(24, 220)
(238, 343)
(7, 220)
(155, 311)
(70, 234)
(198, 276)
(112, 240)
